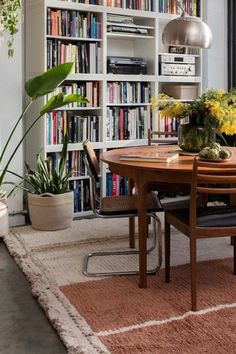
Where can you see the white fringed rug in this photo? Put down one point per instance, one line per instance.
(52, 262)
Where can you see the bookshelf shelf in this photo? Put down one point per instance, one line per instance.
(106, 121)
(129, 78)
(85, 77)
(127, 104)
(75, 109)
(180, 79)
(128, 35)
(129, 26)
(76, 39)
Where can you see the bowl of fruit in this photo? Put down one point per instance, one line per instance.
(215, 153)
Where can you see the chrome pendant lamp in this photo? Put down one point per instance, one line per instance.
(187, 31)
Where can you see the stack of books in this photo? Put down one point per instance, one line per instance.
(162, 156)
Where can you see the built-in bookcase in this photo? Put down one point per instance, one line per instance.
(118, 113)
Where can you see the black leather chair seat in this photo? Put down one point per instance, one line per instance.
(126, 205)
(216, 216)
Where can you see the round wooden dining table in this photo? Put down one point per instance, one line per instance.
(176, 174)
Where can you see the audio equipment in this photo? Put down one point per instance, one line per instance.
(177, 64)
(126, 65)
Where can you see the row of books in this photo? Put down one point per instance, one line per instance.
(89, 89)
(81, 192)
(74, 161)
(167, 124)
(71, 23)
(77, 127)
(89, 2)
(191, 7)
(142, 5)
(86, 56)
(116, 185)
(127, 124)
(128, 92)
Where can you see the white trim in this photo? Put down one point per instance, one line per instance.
(168, 320)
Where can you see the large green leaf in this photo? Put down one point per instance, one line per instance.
(48, 81)
(60, 100)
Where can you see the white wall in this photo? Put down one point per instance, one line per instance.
(11, 80)
(215, 64)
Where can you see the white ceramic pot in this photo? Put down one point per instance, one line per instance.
(4, 221)
(50, 212)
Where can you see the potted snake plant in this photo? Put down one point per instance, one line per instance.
(50, 204)
(35, 88)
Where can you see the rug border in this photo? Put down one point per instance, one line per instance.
(74, 331)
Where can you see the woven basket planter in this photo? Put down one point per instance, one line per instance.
(51, 212)
(4, 221)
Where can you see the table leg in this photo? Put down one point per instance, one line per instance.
(142, 232)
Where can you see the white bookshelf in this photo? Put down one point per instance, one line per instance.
(147, 46)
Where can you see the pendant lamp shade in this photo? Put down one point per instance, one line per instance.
(187, 31)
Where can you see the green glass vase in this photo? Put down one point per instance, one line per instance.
(193, 138)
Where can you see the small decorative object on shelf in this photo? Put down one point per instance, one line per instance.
(214, 110)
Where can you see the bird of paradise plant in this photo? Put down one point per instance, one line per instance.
(36, 88)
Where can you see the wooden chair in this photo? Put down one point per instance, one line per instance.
(118, 207)
(204, 222)
(162, 138)
(167, 192)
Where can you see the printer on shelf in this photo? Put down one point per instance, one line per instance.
(126, 65)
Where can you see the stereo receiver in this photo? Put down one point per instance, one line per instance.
(126, 65)
(177, 65)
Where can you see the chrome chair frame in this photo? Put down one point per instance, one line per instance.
(96, 202)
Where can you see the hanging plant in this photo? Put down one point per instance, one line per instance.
(10, 14)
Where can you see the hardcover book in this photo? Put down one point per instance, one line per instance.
(162, 156)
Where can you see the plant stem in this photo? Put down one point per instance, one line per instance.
(17, 147)
(13, 130)
(222, 137)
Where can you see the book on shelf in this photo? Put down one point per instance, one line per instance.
(162, 156)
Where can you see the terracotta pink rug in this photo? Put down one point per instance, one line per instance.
(128, 319)
(113, 315)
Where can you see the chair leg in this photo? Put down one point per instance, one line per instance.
(167, 251)
(156, 240)
(132, 232)
(193, 265)
(234, 244)
(157, 234)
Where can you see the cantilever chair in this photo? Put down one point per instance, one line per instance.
(204, 222)
(118, 207)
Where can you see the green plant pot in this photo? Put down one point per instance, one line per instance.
(193, 138)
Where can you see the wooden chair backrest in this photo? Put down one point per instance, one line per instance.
(157, 137)
(210, 178)
(92, 161)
